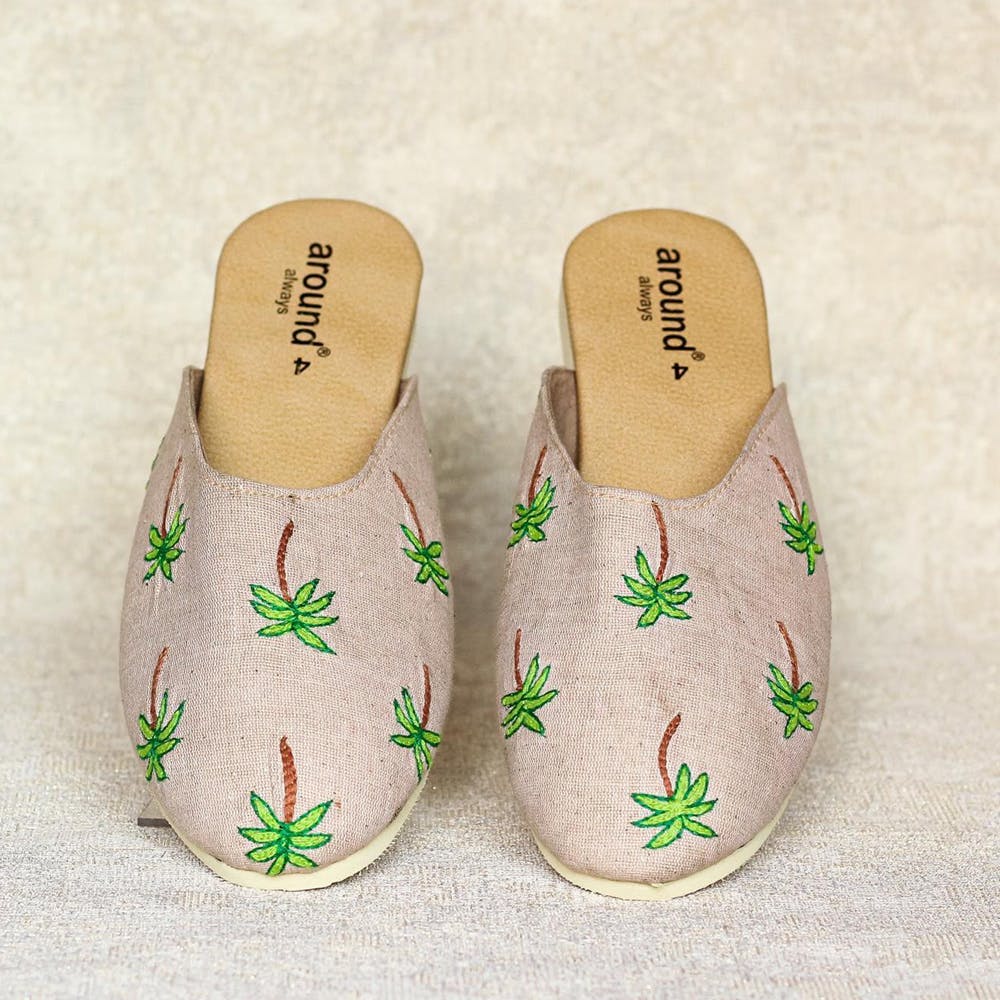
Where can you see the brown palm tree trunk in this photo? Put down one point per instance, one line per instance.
(518, 679)
(661, 757)
(791, 654)
(788, 485)
(413, 509)
(426, 713)
(280, 561)
(170, 493)
(157, 670)
(664, 550)
(536, 475)
(290, 778)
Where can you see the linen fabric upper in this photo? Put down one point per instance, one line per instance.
(621, 685)
(252, 700)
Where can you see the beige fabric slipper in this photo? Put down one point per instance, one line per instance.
(286, 644)
(663, 641)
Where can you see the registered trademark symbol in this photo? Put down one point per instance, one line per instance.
(697, 355)
(324, 352)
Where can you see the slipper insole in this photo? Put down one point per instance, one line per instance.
(314, 305)
(669, 334)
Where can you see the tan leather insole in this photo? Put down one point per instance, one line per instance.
(314, 305)
(669, 333)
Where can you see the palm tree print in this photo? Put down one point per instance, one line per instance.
(650, 591)
(529, 518)
(684, 800)
(158, 728)
(417, 737)
(798, 525)
(164, 538)
(790, 699)
(425, 554)
(297, 613)
(282, 840)
(528, 696)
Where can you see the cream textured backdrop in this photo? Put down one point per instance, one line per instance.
(853, 145)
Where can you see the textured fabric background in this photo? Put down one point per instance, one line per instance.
(852, 145)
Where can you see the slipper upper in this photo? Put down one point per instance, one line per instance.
(671, 655)
(286, 655)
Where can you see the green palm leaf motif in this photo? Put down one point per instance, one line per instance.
(298, 613)
(158, 727)
(789, 698)
(416, 737)
(424, 553)
(282, 841)
(164, 539)
(801, 529)
(675, 812)
(657, 597)
(530, 695)
(529, 518)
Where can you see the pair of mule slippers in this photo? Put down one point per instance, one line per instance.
(663, 639)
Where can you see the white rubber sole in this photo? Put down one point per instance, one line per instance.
(663, 890)
(315, 878)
